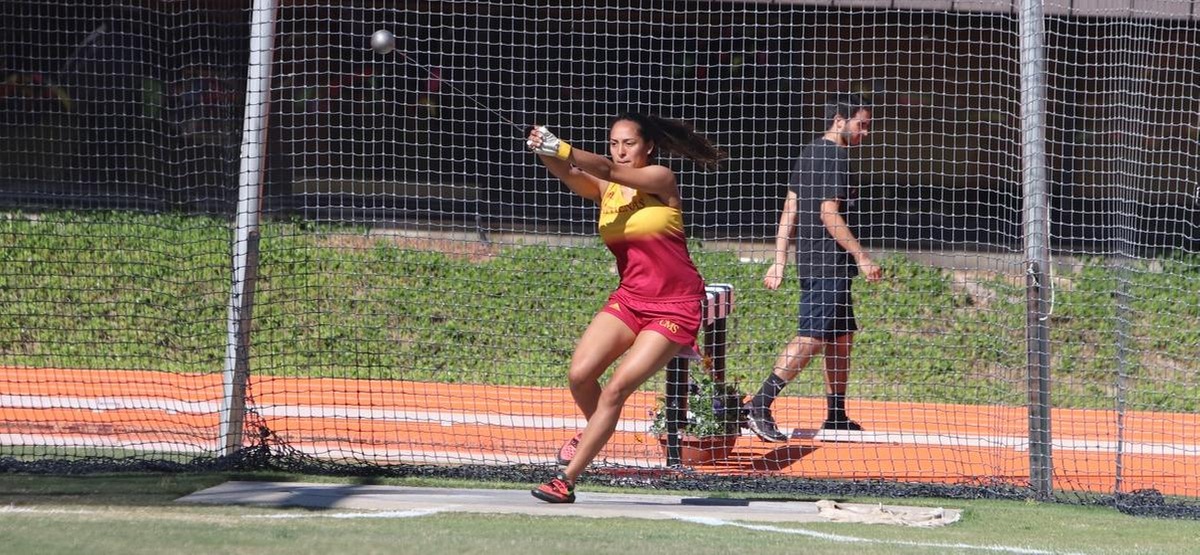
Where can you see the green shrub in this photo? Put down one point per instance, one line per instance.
(713, 408)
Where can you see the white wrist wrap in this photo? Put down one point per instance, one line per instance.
(551, 145)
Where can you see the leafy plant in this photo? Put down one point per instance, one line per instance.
(713, 408)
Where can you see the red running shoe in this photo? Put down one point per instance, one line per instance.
(557, 490)
(567, 451)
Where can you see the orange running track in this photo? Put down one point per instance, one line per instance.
(392, 422)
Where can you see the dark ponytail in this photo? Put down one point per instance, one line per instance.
(676, 137)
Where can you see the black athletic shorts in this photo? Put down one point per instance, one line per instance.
(826, 308)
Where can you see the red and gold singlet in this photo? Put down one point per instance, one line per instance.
(647, 238)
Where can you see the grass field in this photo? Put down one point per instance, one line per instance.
(134, 514)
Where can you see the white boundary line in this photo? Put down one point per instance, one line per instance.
(838, 538)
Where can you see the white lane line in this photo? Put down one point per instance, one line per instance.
(99, 404)
(852, 539)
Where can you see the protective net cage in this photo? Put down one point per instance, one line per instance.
(415, 283)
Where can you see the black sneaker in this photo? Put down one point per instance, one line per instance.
(843, 425)
(760, 421)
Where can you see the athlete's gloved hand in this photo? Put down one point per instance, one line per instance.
(542, 141)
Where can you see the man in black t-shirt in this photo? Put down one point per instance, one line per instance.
(828, 256)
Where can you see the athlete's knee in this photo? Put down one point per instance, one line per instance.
(615, 394)
(579, 376)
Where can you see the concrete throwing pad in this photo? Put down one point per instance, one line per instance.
(587, 504)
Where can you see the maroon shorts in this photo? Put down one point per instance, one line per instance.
(678, 321)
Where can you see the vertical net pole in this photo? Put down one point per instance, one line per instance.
(246, 233)
(1036, 232)
(1132, 85)
(676, 407)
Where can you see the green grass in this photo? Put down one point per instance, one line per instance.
(133, 291)
(136, 513)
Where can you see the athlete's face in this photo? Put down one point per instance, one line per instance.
(626, 145)
(855, 129)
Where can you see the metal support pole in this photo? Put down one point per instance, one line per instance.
(1037, 243)
(715, 336)
(676, 406)
(246, 234)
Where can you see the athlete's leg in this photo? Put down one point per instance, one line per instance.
(650, 353)
(603, 341)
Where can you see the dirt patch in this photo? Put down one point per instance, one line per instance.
(471, 251)
(973, 284)
(1161, 367)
